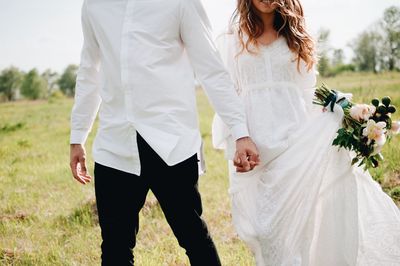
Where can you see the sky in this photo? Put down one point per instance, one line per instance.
(47, 33)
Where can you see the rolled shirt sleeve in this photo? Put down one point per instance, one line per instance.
(87, 97)
(209, 68)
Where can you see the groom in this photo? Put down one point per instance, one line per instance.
(136, 70)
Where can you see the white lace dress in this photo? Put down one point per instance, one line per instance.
(305, 204)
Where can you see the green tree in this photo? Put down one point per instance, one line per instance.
(33, 85)
(67, 80)
(367, 51)
(338, 57)
(323, 50)
(10, 81)
(391, 36)
(51, 79)
(323, 65)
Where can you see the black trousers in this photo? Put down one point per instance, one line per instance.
(120, 196)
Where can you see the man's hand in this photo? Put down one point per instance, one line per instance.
(78, 164)
(246, 157)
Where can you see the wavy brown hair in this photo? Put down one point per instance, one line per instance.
(289, 22)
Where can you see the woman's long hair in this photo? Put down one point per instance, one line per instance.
(289, 22)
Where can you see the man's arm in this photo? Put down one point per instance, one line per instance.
(209, 69)
(87, 99)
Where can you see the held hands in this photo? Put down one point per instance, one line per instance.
(78, 164)
(247, 156)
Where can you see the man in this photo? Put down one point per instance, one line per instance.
(136, 68)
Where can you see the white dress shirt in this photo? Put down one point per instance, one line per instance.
(137, 69)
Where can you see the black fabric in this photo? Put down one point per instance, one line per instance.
(120, 196)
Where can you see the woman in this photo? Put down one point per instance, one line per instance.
(304, 204)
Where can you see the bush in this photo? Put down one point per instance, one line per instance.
(341, 69)
(33, 86)
(56, 95)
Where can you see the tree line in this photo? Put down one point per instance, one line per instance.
(16, 84)
(376, 49)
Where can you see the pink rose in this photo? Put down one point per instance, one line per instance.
(395, 128)
(362, 112)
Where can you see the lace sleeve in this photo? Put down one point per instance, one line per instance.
(306, 79)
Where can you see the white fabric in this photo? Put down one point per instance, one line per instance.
(137, 67)
(305, 204)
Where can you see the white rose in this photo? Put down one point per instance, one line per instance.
(375, 131)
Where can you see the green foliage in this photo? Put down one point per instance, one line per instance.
(10, 81)
(323, 66)
(346, 139)
(51, 79)
(349, 140)
(375, 50)
(378, 49)
(391, 31)
(323, 50)
(11, 127)
(395, 193)
(85, 215)
(338, 57)
(67, 80)
(327, 66)
(339, 69)
(337, 64)
(366, 50)
(56, 96)
(33, 86)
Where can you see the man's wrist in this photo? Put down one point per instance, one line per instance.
(239, 131)
(243, 138)
(78, 136)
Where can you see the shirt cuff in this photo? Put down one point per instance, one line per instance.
(239, 131)
(78, 136)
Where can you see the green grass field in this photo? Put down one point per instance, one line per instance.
(46, 218)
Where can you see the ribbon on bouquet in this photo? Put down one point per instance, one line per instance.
(337, 97)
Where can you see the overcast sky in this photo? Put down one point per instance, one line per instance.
(47, 33)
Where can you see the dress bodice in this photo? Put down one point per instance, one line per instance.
(271, 63)
(276, 92)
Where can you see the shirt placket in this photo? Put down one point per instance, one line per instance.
(127, 75)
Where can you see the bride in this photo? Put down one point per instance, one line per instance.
(304, 204)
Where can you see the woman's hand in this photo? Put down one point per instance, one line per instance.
(247, 156)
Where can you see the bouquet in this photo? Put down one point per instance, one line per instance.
(366, 127)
